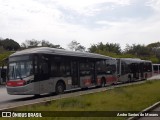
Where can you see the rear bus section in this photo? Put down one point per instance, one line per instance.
(131, 69)
(147, 69)
(107, 72)
(124, 70)
(156, 69)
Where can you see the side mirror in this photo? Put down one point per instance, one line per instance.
(3, 74)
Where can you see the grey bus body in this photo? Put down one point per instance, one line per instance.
(45, 70)
(156, 69)
(131, 69)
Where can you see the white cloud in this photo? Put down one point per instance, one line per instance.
(155, 4)
(43, 19)
(88, 7)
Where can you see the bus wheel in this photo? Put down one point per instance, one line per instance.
(60, 88)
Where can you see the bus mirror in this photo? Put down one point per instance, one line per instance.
(3, 74)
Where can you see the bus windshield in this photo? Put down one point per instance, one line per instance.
(20, 69)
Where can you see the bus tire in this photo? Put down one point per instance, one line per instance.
(60, 87)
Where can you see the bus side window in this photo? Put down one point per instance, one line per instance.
(44, 68)
(68, 69)
(55, 69)
(60, 69)
(123, 70)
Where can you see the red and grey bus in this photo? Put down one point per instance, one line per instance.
(45, 70)
(147, 69)
(131, 69)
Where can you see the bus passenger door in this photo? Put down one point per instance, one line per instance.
(75, 74)
(37, 76)
(93, 73)
(45, 85)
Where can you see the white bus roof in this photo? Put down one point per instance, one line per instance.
(135, 60)
(54, 51)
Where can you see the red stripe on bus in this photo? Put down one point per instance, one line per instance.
(98, 81)
(16, 83)
(87, 82)
(110, 79)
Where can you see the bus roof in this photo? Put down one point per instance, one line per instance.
(54, 51)
(135, 60)
(155, 64)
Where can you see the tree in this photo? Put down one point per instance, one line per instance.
(155, 48)
(75, 46)
(139, 50)
(45, 43)
(152, 45)
(9, 44)
(36, 43)
(93, 48)
(30, 43)
(108, 47)
(113, 47)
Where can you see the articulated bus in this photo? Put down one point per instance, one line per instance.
(45, 70)
(131, 69)
(156, 69)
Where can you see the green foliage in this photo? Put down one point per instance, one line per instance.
(9, 44)
(108, 47)
(30, 43)
(75, 46)
(156, 44)
(36, 43)
(154, 59)
(138, 50)
(4, 55)
(131, 51)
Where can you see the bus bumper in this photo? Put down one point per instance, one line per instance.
(21, 90)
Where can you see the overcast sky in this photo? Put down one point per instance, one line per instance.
(86, 21)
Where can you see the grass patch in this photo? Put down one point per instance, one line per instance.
(128, 98)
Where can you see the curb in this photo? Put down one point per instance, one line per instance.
(149, 109)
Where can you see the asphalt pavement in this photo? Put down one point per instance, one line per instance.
(155, 112)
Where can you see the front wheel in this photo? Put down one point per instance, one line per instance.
(60, 88)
